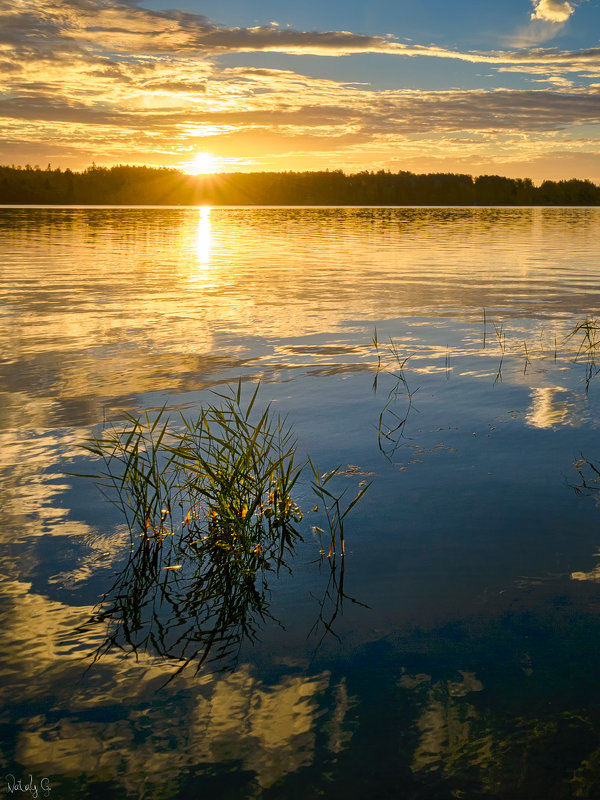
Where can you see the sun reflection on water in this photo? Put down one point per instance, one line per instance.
(203, 240)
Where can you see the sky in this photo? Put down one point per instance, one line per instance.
(472, 86)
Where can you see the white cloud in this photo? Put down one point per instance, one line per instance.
(552, 10)
(548, 19)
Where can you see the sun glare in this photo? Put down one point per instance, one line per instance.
(202, 164)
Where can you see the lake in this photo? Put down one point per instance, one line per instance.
(448, 357)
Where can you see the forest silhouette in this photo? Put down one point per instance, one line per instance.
(133, 185)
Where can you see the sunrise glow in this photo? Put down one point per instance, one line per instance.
(202, 164)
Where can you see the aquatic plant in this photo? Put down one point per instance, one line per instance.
(210, 510)
(581, 343)
(228, 475)
(331, 603)
(589, 331)
(390, 424)
(333, 510)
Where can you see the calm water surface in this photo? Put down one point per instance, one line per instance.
(454, 651)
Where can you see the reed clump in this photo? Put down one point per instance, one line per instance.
(225, 478)
(210, 508)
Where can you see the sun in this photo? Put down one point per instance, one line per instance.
(202, 164)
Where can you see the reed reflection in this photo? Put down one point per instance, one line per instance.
(197, 602)
(588, 485)
(189, 599)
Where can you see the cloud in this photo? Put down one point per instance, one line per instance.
(104, 79)
(241, 102)
(56, 29)
(122, 26)
(548, 19)
(552, 10)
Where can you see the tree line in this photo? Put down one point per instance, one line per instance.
(161, 186)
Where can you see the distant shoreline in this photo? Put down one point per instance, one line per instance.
(149, 186)
(257, 207)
